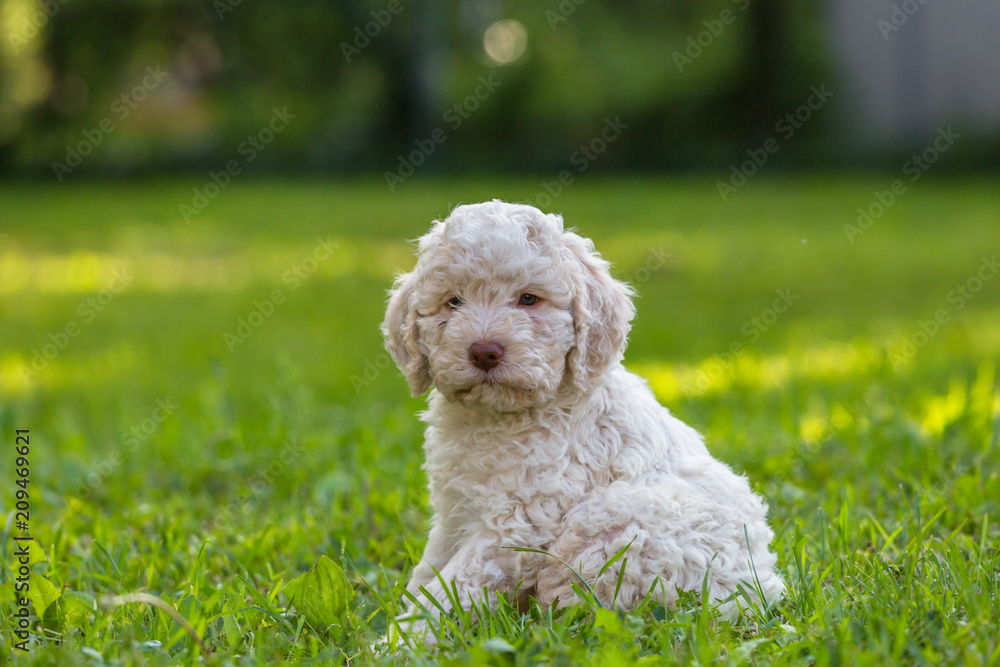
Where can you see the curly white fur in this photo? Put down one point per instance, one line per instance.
(559, 447)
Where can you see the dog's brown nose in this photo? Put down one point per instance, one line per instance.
(486, 354)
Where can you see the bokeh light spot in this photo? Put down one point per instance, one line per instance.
(505, 41)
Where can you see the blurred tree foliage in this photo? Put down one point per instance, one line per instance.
(367, 82)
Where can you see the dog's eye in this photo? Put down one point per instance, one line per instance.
(455, 302)
(528, 300)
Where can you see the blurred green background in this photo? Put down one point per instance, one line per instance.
(203, 204)
(180, 84)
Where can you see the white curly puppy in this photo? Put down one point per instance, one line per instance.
(538, 437)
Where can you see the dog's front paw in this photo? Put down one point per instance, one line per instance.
(412, 629)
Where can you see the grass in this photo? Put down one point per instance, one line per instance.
(210, 471)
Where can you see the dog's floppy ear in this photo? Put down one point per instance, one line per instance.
(402, 336)
(602, 310)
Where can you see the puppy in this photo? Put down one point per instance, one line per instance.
(538, 437)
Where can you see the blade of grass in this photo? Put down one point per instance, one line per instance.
(111, 560)
(578, 575)
(152, 600)
(614, 559)
(618, 584)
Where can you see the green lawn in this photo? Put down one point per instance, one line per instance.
(218, 412)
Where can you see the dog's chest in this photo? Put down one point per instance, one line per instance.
(505, 480)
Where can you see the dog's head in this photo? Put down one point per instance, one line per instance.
(505, 309)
